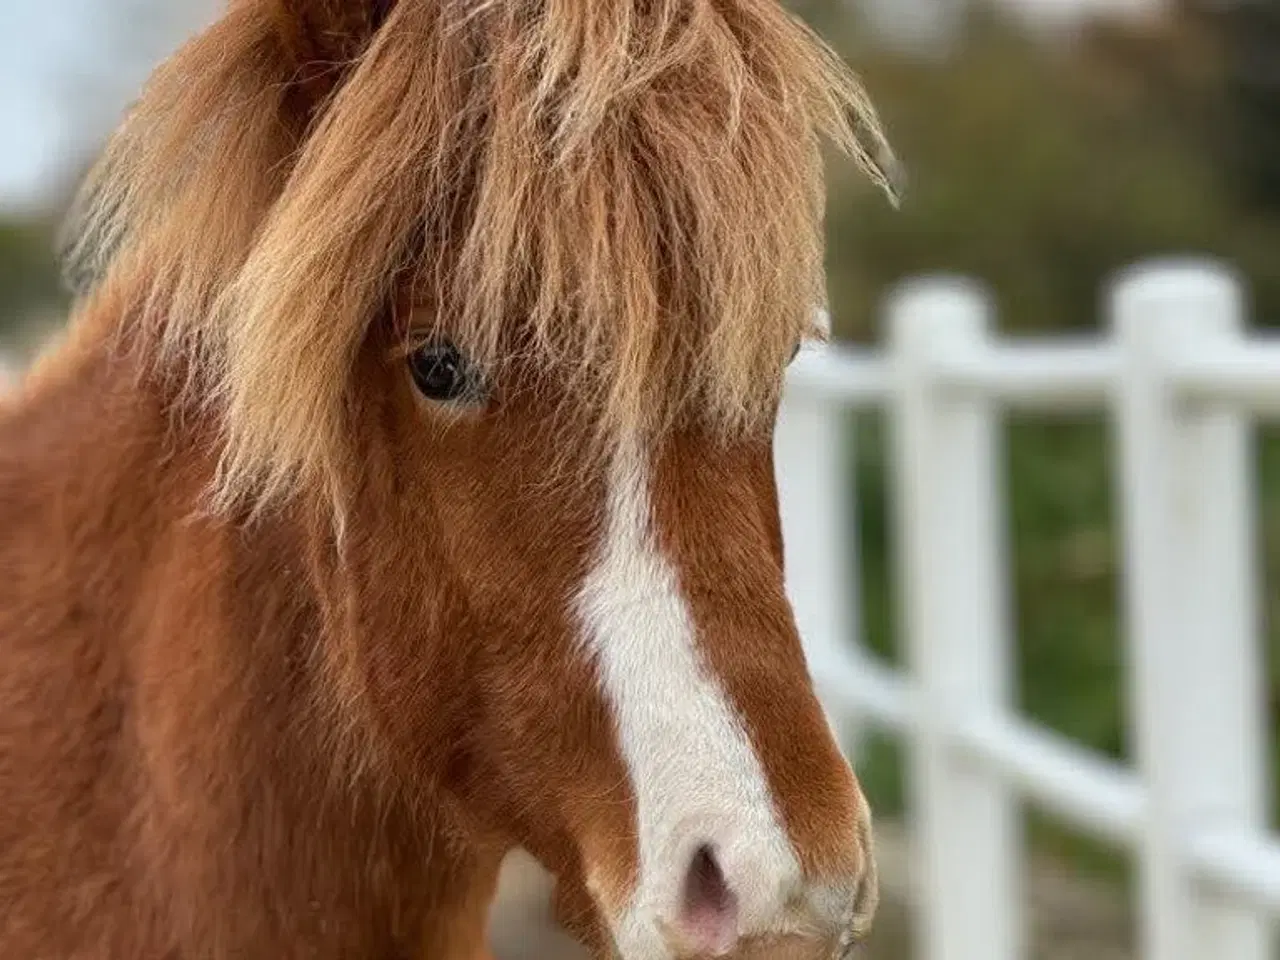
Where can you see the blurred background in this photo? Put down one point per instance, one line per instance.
(1048, 143)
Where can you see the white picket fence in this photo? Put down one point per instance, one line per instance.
(1182, 381)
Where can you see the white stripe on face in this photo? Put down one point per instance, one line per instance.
(694, 774)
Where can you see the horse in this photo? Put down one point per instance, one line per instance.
(400, 494)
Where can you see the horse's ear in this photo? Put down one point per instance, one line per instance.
(323, 37)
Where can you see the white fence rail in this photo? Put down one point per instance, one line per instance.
(1182, 382)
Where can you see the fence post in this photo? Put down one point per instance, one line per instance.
(813, 451)
(1191, 605)
(947, 477)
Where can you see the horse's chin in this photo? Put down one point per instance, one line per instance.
(772, 947)
(590, 934)
(788, 948)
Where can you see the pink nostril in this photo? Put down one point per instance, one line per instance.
(708, 908)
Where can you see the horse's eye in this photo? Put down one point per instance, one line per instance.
(440, 372)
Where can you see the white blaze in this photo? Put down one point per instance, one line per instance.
(694, 773)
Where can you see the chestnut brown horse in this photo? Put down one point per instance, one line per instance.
(401, 494)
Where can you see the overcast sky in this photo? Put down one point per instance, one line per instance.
(67, 69)
(63, 80)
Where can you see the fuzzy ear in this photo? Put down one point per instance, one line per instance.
(207, 148)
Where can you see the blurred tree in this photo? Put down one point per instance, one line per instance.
(28, 274)
(1250, 36)
(1043, 169)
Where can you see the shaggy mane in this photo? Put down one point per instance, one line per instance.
(632, 189)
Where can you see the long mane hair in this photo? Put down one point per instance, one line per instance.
(636, 185)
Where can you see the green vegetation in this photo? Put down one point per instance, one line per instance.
(28, 274)
(1042, 170)
(1250, 32)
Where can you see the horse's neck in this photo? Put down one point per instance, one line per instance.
(102, 493)
(198, 670)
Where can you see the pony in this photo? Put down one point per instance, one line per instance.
(401, 494)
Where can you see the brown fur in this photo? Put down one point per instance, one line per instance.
(243, 733)
(231, 741)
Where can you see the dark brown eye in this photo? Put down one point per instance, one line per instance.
(441, 373)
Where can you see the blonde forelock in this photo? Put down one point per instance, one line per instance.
(632, 189)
